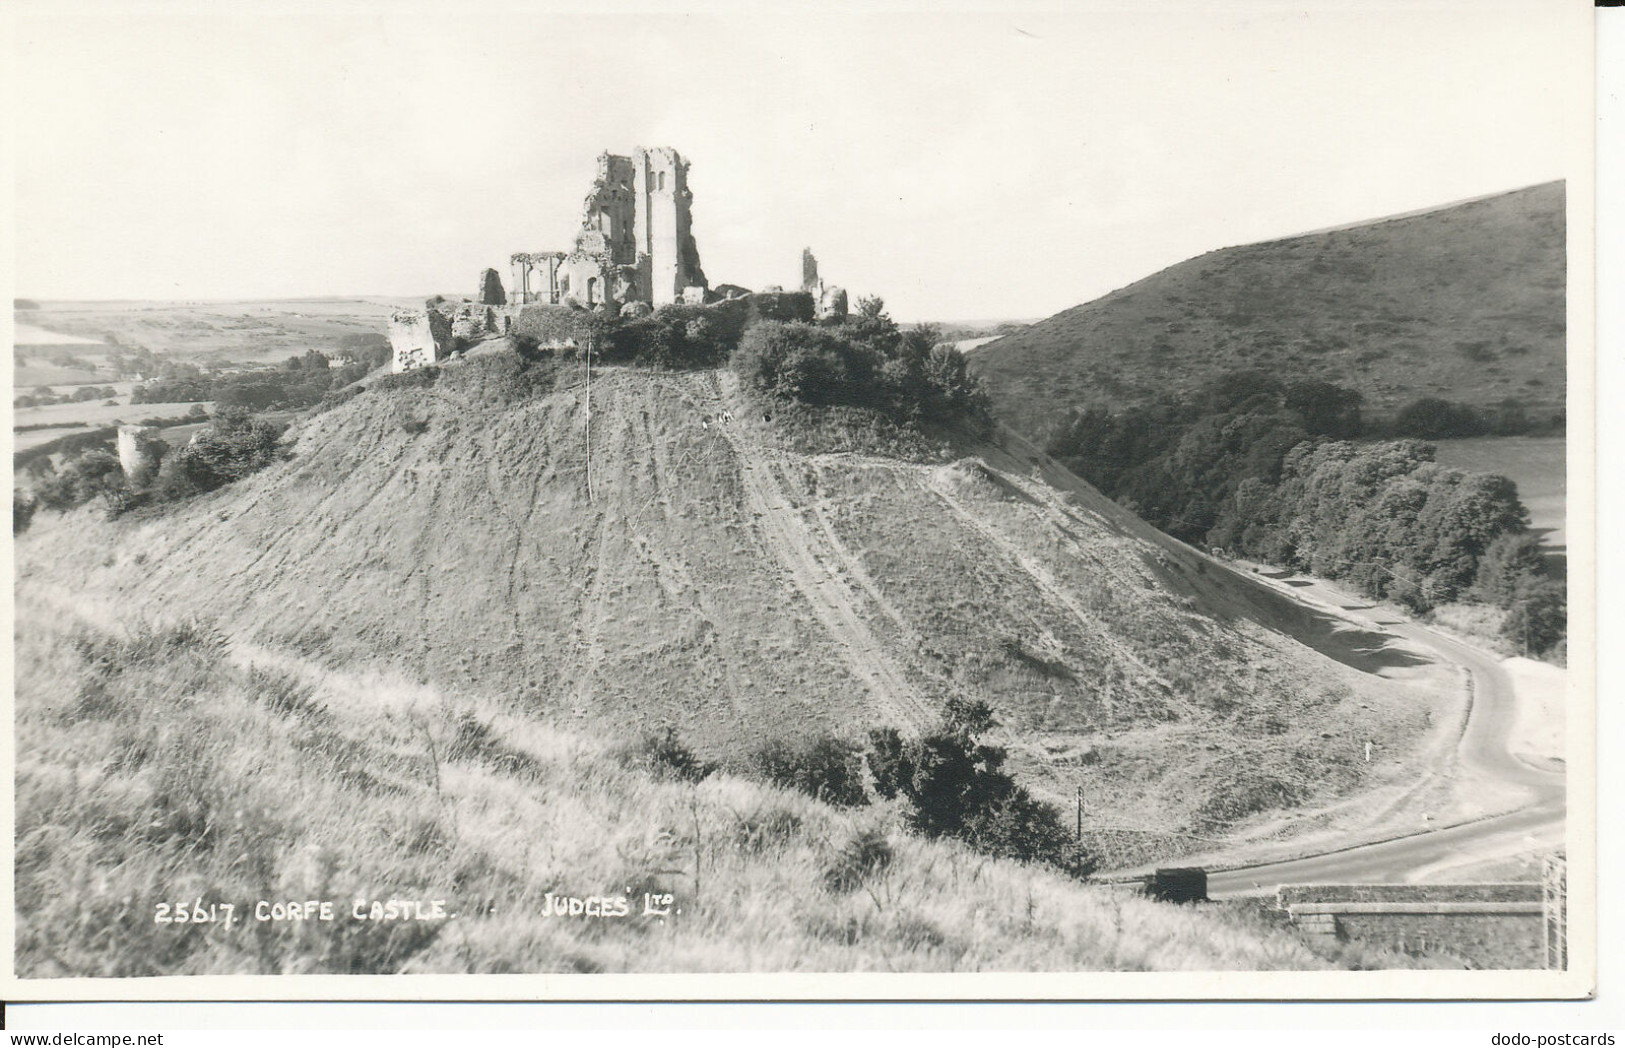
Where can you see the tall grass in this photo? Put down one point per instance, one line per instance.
(163, 764)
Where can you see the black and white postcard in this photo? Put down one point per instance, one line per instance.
(1045, 501)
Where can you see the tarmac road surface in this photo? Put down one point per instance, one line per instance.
(1483, 745)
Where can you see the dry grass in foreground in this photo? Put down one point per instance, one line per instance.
(161, 763)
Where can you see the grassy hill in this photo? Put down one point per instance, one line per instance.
(704, 575)
(1465, 302)
(166, 765)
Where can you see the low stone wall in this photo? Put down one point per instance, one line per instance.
(1290, 895)
(1486, 940)
(1486, 925)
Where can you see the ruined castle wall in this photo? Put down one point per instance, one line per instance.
(612, 210)
(419, 337)
(139, 450)
(491, 291)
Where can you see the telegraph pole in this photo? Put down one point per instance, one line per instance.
(588, 389)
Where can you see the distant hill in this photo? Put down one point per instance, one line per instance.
(1463, 302)
(710, 578)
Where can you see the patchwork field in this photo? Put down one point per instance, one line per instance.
(245, 332)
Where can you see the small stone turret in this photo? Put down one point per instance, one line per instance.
(140, 449)
(491, 293)
(420, 337)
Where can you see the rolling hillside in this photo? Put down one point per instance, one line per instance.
(1465, 302)
(703, 575)
(162, 764)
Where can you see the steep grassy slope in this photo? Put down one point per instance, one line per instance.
(164, 766)
(704, 576)
(1465, 302)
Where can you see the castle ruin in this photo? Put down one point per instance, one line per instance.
(635, 244)
(634, 252)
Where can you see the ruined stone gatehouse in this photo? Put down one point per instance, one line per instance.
(140, 450)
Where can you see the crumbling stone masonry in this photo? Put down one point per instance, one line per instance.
(473, 322)
(535, 277)
(830, 300)
(140, 449)
(809, 272)
(419, 337)
(491, 293)
(635, 244)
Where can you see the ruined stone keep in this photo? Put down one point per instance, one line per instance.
(635, 244)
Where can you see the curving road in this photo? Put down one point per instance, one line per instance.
(1483, 746)
(1537, 823)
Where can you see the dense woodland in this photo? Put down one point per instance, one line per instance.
(1268, 470)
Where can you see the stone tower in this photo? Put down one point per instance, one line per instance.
(636, 241)
(491, 293)
(668, 259)
(809, 272)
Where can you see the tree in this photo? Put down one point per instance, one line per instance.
(871, 306)
(956, 786)
(1513, 563)
(1326, 409)
(234, 445)
(1432, 418)
(1538, 620)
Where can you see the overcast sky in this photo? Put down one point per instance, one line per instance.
(962, 164)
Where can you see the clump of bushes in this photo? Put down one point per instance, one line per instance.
(951, 783)
(1262, 468)
(866, 362)
(47, 397)
(300, 382)
(677, 337)
(549, 325)
(417, 378)
(828, 768)
(83, 476)
(1434, 418)
(503, 377)
(664, 754)
(866, 854)
(234, 445)
(956, 786)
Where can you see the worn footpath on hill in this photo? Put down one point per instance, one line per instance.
(700, 575)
